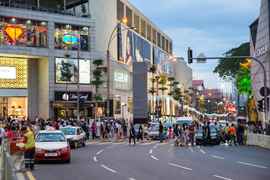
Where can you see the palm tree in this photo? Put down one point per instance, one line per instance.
(152, 90)
(163, 83)
(171, 85)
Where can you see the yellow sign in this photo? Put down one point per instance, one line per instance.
(14, 32)
(21, 72)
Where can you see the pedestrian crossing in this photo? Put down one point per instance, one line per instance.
(119, 143)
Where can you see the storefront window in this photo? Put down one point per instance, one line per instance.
(71, 37)
(23, 32)
(15, 107)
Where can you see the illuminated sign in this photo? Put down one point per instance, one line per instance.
(84, 71)
(70, 39)
(14, 32)
(7, 72)
(13, 72)
(120, 77)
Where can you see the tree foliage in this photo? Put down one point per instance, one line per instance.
(228, 68)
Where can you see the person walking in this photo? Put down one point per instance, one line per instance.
(232, 134)
(192, 133)
(132, 134)
(93, 130)
(29, 147)
(161, 132)
(140, 133)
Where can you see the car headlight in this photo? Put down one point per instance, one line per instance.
(39, 150)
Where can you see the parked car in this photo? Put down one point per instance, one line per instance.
(75, 135)
(214, 136)
(53, 146)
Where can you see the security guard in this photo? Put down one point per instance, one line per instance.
(29, 148)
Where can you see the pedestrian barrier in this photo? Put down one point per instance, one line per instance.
(258, 140)
(8, 169)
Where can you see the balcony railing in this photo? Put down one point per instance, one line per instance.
(42, 9)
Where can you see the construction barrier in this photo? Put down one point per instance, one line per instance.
(258, 140)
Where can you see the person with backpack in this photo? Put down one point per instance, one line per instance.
(232, 134)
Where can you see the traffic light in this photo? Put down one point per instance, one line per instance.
(261, 105)
(190, 56)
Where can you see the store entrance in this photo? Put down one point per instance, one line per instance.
(13, 107)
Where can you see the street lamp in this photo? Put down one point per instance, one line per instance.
(116, 29)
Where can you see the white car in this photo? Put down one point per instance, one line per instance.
(75, 135)
(153, 131)
(52, 145)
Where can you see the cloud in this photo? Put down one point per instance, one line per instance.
(209, 26)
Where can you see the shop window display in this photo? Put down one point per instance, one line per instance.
(23, 32)
(71, 37)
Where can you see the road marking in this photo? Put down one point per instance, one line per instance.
(150, 151)
(179, 166)
(190, 148)
(251, 164)
(99, 152)
(95, 159)
(155, 158)
(221, 177)
(107, 168)
(155, 146)
(217, 157)
(131, 178)
(202, 151)
(30, 175)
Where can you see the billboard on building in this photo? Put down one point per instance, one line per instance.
(66, 70)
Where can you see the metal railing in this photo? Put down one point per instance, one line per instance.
(8, 170)
(42, 9)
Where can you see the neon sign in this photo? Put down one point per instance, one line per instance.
(70, 39)
(14, 32)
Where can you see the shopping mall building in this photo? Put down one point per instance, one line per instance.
(47, 49)
(260, 48)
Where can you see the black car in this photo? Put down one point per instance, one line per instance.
(200, 138)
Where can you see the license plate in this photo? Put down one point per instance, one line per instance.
(51, 154)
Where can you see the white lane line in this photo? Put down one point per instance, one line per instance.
(155, 146)
(95, 159)
(172, 144)
(99, 152)
(202, 151)
(179, 166)
(155, 158)
(251, 164)
(131, 178)
(217, 157)
(190, 148)
(150, 151)
(108, 169)
(221, 177)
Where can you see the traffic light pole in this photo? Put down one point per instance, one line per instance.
(190, 58)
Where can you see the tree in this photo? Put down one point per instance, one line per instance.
(97, 80)
(228, 68)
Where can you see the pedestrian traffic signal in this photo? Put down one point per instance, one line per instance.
(190, 56)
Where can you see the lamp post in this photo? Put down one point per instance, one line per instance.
(116, 29)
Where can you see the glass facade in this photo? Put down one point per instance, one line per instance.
(23, 32)
(71, 37)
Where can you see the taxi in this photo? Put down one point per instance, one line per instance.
(52, 145)
(74, 135)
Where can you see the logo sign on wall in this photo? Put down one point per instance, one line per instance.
(7, 72)
(70, 39)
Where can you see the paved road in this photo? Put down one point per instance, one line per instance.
(154, 161)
